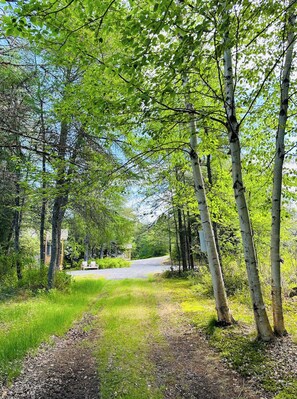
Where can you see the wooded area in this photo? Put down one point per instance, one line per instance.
(193, 101)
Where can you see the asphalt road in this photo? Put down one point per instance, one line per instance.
(141, 268)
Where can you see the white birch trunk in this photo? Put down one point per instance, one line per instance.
(222, 307)
(276, 285)
(223, 311)
(262, 323)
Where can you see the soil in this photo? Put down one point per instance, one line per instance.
(190, 369)
(64, 370)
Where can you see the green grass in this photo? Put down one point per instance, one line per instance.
(25, 324)
(129, 323)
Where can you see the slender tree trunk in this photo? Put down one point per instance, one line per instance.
(178, 250)
(186, 230)
(43, 215)
(56, 225)
(18, 215)
(189, 229)
(101, 252)
(59, 243)
(215, 225)
(169, 241)
(87, 242)
(182, 239)
(17, 226)
(44, 202)
(276, 286)
(262, 323)
(42, 233)
(222, 307)
(60, 201)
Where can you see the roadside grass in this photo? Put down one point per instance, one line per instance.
(237, 344)
(24, 324)
(112, 263)
(129, 323)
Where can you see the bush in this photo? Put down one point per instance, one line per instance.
(112, 263)
(7, 271)
(62, 280)
(36, 279)
(235, 279)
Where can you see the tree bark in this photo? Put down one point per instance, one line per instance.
(42, 232)
(276, 285)
(177, 241)
(59, 243)
(59, 204)
(17, 227)
(182, 239)
(169, 241)
(44, 202)
(87, 242)
(215, 226)
(189, 233)
(186, 230)
(57, 218)
(222, 307)
(261, 320)
(101, 251)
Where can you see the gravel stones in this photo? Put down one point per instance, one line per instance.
(64, 370)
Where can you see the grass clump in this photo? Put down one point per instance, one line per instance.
(289, 392)
(25, 324)
(112, 263)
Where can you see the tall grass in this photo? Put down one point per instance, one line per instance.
(25, 324)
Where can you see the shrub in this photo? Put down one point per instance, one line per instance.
(36, 279)
(62, 280)
(112, 263)
(235, 279)
(33, 279)
(7, 271)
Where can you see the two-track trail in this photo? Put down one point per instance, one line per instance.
(134, 343)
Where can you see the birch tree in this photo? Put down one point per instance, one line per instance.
(260, 315)
(275, 255)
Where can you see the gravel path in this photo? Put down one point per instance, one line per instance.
(141, 268)
(65, 369)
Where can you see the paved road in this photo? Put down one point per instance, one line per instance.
(141, 268)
